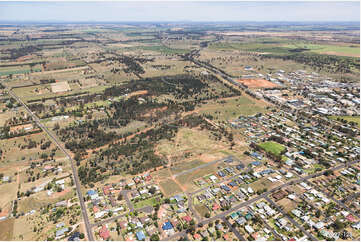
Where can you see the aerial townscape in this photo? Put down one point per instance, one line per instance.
(204, 131)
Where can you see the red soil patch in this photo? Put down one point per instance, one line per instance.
(257, 83)
(137, 93)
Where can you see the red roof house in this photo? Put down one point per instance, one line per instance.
(104, 233)
(187, 218)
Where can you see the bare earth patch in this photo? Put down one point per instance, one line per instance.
(257, 83)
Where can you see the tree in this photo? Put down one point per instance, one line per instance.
(81, 235)
(154, 237)
(338, 225)
(207, 215)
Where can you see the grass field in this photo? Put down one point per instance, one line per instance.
(170, 188)
(284, 47)
(147, 202)
(188, 140)
(201, 209)
(329, 49)
(272, 147)
(355, 119)
(232, 108)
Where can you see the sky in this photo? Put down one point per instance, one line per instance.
(128, 11)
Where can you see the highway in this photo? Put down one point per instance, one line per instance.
(75, 173)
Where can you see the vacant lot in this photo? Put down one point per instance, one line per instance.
(170, 187)
(147, 202)
(60, 87)
(230, 108)
(6, 229)
(8, 194)
(272, 147)
(187, 180)
(355, 119)
(184, 166)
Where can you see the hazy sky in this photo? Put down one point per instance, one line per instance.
(179, 11)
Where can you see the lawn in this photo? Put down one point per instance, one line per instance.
(272, 147)
(355, 119)
(147, 202)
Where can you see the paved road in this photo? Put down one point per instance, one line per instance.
(126, 197)
(291, 219)
(75, 173)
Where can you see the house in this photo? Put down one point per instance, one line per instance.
(216, 206)
(140, 235)
(249, 229)
(213, 178)
(351, 218)
(104, 233)
(106, 190)
(100, 214)
(167, 226)
(297, 213)
(197, 236)
(74, 237)
(187, 218)
(204, 233)
(178, 198)
(241, 220)
(320, 225)
(60, 182)
(240, 167)
(226, 188)
(219, 226)
(60, 225)
(221, 174)
(61, 204)
(95, 209)
(61, 232)
(234, 215)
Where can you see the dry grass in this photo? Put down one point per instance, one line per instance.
(6, 229)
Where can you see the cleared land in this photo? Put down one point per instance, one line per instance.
(257, 83)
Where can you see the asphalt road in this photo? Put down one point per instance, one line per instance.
(75, 173)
